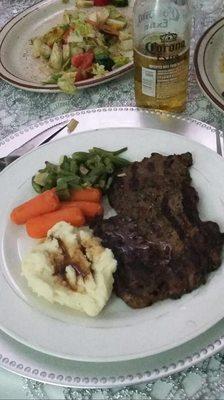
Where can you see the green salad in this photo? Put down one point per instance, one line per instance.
(88, 43)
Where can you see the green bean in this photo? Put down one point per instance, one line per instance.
(74, 184)
(100, 151)
(80, 156)
(76, 181)
(65, 165)
(93, 161)
(120, 162)
(63, 194)
(90, 178)
(65, 174)
(98, 170)
(49, 167)
(73, 166)
(117, 152)
(50, 181)
(108, 165)
(82, 169)
(62, 184)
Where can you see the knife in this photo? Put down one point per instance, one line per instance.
(43, 137)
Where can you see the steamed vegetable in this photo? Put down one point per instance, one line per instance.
(41, 204)
(88, 208)
(94, 168)
(38, 227)
(89, 194)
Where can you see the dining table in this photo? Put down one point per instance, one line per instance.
(19, 109)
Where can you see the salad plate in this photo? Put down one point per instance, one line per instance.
(17, 64)
(25, 361)
(159, 328)
(209, 63)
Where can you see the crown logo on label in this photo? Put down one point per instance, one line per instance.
(168, 37)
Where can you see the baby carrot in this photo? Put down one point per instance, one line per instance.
(41, 204)
(88, 208)
(38, 227)
(86, 194)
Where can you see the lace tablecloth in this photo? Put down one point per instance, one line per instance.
(19, 108)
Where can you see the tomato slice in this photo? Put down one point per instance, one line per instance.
(83, 60)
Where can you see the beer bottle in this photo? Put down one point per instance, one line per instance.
(162, 30)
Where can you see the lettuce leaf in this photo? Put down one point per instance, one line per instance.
(55, 60)
(36, 49)
(66, 82)
(119, 61)
(98, 70)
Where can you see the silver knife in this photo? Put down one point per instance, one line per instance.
(42, 138)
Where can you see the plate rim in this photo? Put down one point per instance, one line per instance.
(212, 348)
(84, 382)
(199, 67)
(52, 121)
(44, 319)
(23, 84)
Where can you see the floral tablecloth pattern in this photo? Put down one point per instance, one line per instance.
(19, 108)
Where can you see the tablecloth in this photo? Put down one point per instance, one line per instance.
(18, 109)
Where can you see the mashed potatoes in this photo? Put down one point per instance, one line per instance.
(72, 268)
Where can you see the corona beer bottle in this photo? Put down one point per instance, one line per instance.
(162, 30)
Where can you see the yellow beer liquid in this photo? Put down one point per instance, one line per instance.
(161, 83)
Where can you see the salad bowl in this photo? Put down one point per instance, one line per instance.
(17, 64)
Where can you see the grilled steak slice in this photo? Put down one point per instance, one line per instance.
(162, 247)
(141, 186)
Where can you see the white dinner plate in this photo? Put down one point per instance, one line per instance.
(209, 63)
(119, 332)
(18, 67)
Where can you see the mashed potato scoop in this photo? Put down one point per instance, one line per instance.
(72, 268)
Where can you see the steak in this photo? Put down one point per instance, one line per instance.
(163, 248)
